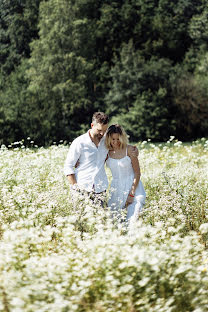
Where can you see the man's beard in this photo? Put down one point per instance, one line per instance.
(99, 136)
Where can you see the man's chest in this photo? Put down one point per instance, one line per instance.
(92, 154)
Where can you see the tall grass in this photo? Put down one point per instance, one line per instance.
(58, 257)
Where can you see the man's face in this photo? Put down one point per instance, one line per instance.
(98, 130)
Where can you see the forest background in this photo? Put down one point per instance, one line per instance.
(144, 62)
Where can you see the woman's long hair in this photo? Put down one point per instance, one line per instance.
(122, 136)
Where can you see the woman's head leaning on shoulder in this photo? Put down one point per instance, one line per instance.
(116, 137)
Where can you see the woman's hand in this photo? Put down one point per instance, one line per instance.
(130, 199)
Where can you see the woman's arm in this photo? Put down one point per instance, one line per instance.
(137, 174)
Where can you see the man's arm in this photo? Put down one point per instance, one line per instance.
(72, 179)
(72, 158)
(133, 151)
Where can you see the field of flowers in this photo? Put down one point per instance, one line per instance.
(56, 257)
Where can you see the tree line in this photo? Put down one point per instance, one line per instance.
(144, 62)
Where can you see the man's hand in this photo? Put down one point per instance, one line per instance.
(133, 151)
(71, 178)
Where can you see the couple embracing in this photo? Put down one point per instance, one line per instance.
(89, 153)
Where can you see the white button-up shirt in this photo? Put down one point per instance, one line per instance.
(90, 173)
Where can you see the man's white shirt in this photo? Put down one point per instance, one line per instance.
(90, 173)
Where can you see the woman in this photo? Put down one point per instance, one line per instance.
(126, 188)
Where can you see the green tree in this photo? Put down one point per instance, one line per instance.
(60, 75)
(191, 99)
(139, 95)
(190, 81)
(16, 112)
(18, 26)
(134, 59)
(170, 26)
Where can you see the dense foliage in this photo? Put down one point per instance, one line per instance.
(142, 61)
(56, 257)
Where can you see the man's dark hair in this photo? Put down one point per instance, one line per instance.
(100, 117)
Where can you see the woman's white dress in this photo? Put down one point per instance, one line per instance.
(122, 179)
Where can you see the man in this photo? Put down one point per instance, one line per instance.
(90, 151)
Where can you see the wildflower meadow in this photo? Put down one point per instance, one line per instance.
(58, 257)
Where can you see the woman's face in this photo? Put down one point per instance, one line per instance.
(115, 142)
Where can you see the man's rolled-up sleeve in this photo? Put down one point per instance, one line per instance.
(72, 157)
